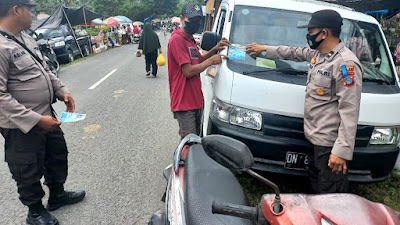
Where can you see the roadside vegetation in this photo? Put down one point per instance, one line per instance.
(386, 192)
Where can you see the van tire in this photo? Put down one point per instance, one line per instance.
(70, 56)
(86, 50)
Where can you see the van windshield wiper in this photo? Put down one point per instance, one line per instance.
(281, 70)
(376, 80)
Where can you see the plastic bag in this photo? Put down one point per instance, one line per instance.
(160, 60)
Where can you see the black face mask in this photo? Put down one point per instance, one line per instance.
(191, 27)
(312, 42)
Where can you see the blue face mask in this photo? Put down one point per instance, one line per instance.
(191, 27)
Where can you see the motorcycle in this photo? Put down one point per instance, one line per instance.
(49, 56)
(202, 190)
(136, 38)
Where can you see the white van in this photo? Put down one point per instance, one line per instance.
(255, 101)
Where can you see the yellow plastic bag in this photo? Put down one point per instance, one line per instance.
(160, 60)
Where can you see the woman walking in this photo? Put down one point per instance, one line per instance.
(149, 44)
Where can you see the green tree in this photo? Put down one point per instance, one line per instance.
(108, 7)
(48, 6)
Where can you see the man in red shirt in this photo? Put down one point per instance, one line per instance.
(185, 63)
(136, 30)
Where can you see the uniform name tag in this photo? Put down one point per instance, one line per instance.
(324, 73)
(19, 54)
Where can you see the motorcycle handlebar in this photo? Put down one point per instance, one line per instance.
(242, 211)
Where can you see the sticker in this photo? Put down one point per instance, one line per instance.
(347, 74)
(194, 53)
(245, 12)
(320, 91)
(266, 63)
(236, 51)
(313, 61)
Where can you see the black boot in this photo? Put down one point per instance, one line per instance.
(59, 197)
(38, 215)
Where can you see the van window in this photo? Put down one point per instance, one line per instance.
(50, 33)
(279, 27)
(221, 23)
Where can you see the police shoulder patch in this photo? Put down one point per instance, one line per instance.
(347, 72)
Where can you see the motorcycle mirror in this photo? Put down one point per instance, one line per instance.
(40, 36)
(229, 152)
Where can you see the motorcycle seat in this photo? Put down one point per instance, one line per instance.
(207, 181)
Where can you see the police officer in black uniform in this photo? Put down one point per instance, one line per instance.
(34, 142)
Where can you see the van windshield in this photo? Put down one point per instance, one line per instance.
(279, 27)
(50, 33)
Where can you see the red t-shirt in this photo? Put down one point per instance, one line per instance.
(136, 30)
(185, 92)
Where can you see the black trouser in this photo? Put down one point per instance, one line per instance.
(32, 155)
(322, 179)
(151, 59)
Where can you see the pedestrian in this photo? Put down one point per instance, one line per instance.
(34, 142)
(332, 99)
(116, 34)
(136, 29)
(129, 33)
(185, 63)
(150, 45)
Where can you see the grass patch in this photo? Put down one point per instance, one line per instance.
(386, 192)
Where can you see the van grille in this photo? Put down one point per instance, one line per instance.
(291, 127)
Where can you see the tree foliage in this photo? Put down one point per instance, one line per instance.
(48, 6)
(134, 9)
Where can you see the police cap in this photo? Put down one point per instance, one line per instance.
(326, 18)
(5, 3)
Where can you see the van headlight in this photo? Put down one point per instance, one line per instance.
(384, 136)
(58, 44)
(246, 118)
(221, 110)
(237, 116)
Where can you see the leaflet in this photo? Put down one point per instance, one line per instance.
(237, 51)
(67, 117)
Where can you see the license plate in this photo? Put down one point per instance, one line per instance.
(296, 161)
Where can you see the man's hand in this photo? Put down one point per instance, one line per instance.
(255, 48)
(138, 53)
(49, 123)
(337, 164)
(222, 44)
(69, 102)
(217, 59)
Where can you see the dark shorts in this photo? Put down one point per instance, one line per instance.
(189, 121)
(322, 179)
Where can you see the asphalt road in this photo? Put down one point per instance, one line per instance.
(118, 153)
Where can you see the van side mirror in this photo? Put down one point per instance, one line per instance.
(209, 40)
(228, 152)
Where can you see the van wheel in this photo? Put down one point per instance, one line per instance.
(70, 56)
(86, 50)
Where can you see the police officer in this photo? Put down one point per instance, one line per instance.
(332, 98)
(34, 142)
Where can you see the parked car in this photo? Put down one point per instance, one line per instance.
(64, 44)
(265, 110)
